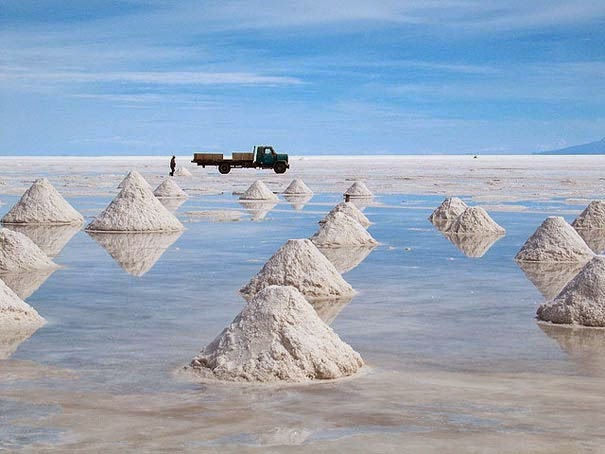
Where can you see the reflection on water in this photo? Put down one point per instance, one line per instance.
(361, 202)
(257, 209)
(550, 277)
(473, 245)
(298, 202)
(136, 253)
(345, 259)
(594, 238)
(25, 284)
(585, 346)
(328, 309)
(11, 339)
(50, 238)
(172, 204)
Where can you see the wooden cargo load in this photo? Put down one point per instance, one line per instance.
(207, 156)
(242, 156)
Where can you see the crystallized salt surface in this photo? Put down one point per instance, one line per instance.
(19, 253)
(258, 191)
(593, 216)
(298, 186)
(182, 172)
(277, 337)
(582, 300)
(447, 212)
(475, 220)
(169, 189)
(135, 209)
(554, 241)
(300, 264)
(358, 189)
(42, 204)
(14, 312)
(351, 210)
(342, 230)
(134, 177)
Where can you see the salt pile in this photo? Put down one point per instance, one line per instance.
(135, 209)
(19, 253)
(447, 212)
(554, 241)
(582, 300)
(358, 189)
(136, 253)
(259, 191)
(475, 221)
(136, 178)
(475, 245)
(351, 210)
(341, 230)
(277, 337)
(169, 189)
(299, 263)
(550, 277)
(593, 216)
(42, 204)
(298, 186)
(182, 172)
(50, 238)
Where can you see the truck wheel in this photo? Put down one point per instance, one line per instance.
(279, 167)
(224, 168)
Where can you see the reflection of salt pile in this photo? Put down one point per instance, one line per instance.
(345, 259)
(259, 209)
(169, 189)
(18, 321)
(136, 178)
(259, 191)
(550, 277)
(278, 336)
(474, 245)
(136, 253)
(342, 230)
(447, 212)
(298, 187)
(50, 238)
(300, 264)
(593, 216)
(298, 202)
(171, 204)
(475, 220)
(351, 210)
(586, 346)
(182, 172)
(582, 300)
(328, 310)
(594, 238)
(554, 241)
(42, 204)
(19, 253)
(25, 283)
(135, 209)
(358, 189)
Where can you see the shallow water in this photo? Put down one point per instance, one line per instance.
(455, 359)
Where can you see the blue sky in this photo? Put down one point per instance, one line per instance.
(97, 77)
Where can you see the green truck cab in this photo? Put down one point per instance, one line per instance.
(262, 156)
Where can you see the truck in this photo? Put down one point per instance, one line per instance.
(262, 156)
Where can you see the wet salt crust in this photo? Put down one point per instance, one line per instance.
(475, 220)
(18, 253)
(169, 189)
(593, 216)
(342, 230)
(42, 204)
(258, 191)
(278, 336)
(351, 210)
(554, 241)
(136, 178)
(358, 189)
(298, 187)
(447, 212)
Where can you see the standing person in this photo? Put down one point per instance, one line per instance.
(172, 165)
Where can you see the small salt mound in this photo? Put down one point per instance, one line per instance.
(277, 337)
(182, 172)
(19, 253)
(259, 191)
(582, 300)
(342, 230)
(475, 220)
(593, 216)
(299, 263)
(358, 189)
(14, 312)
(135, 209)
(298, 186)
(136, 178)
(447, 212)
(169, 189)
(554, 241)
(42, 204)
(351, 210)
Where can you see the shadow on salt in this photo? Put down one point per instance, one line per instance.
(136, 253)
(550, 277)
(257, 209)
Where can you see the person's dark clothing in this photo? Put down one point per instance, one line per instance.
(172, 166)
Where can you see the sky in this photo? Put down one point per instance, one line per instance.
(151, 77)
